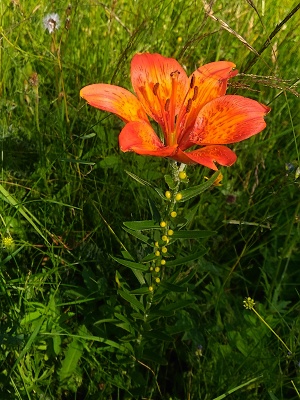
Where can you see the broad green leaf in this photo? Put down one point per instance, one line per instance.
(56, 344)
(109, 162)
(186, 259)
(141, 225)
(196, 190)
(145, 183)
(192, 234)
(132, 300)
(130, 264)
(72, 356)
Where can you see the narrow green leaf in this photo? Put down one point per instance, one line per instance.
(178, 305)
(155, 334)
(148, 258)
(132, 300)
(142, 290)
(154, 357)
(196, 190)
(184, 260)
(239, 387)
(141, 225)
(130, 264)
(138, 235)
(192, 234)
(125, 347)
(89, 136)
(75, 161)
(23, 211)
(145, 183)
(173, 288)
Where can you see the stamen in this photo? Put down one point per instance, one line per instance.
(155, 88)
(167, 105)
(189, 105)
(192, 81)
(195, 93)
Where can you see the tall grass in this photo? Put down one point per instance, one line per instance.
(65, 332)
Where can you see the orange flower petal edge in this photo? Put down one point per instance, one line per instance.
(190, 110)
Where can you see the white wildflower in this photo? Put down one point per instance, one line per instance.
(51, 22)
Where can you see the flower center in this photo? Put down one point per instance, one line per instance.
(174, 121)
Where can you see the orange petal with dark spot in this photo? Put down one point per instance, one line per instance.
(208, 155)
(116, 100)
(228, 119)
(152, 82)
(211, 82)
(140, 138)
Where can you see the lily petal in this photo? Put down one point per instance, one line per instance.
(140, 138)
(116, 100)
(228, 119)
(152, 82)
(209, 154)
(208, 82)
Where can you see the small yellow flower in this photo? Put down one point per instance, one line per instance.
(8, 243)
(173, 214)
(156, 244)
(164, 238)
(157, 269)
(151, 288)
(168, 194)
(178, 197)
(164, 249)
(157, 280)
(157, 253)
(163, 224)
(170, 232)
(249, 303)
(182, 175)
(163, 262)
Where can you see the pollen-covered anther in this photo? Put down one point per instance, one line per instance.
(195, 93)
(167, 105)
(155, 88)
(192, 81)
(189, 105)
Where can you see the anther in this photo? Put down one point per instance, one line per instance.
(192, 81)
(195, 93)
(167, 105)
(189, 105)
(155, 88)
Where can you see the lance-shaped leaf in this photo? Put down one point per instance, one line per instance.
(196, 190)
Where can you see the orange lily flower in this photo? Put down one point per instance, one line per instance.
(190, 110)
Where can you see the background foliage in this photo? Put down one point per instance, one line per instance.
(70, 316)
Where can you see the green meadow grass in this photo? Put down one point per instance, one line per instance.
(69, 328)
